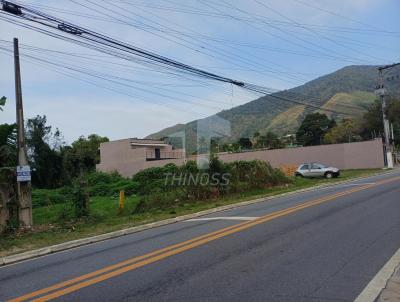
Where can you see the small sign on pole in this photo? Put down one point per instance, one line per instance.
(380, 91)
(23, 173)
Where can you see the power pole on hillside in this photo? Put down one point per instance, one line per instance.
(381, 91)
(23, 169)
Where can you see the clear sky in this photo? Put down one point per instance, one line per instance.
(273, 43)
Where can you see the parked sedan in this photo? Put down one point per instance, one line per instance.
(317, 170)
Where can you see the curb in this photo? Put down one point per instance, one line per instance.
(98, 238)
(385, 286)
(391, 292)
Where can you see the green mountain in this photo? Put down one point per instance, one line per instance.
(349, 90)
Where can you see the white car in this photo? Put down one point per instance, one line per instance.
(317, 170)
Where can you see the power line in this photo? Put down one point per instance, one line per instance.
(71, 75)
(94, 37)
(318, 48)
(223, 54)
(314, 31)
(104, 43)
(197, 11)
(336, 14)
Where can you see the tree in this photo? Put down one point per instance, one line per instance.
(81, 157)
(245, 143)
(8, 142)
(8, 162)
(346, 131)
(270, 140)
(81, 198)
(215, 145)
(202, 145)
(313, 129)
(46, 162)
(372, 125)
(8, 145)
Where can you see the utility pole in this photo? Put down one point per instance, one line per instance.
(394, 144)
(23, 169)
(381, 91)
(392, 129)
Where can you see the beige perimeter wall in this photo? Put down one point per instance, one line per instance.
(120, 157)
(361, 155)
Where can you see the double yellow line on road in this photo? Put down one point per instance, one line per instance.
(111, 271)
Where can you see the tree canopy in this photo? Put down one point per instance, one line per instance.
(53, 162)
(245, 143)
(268, 140)
(313, 129)
(346, 131)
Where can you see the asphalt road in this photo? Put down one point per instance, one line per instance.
(322, 245)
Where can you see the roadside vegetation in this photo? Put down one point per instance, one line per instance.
(71, 200)
(56, 219)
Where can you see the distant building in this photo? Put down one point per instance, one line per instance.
(129, 156)
(290, 140)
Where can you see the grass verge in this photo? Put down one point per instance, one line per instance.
(55, 224)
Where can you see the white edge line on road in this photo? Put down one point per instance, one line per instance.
(378, 283)
(222, 218)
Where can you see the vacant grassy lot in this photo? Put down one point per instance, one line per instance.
(56, 223)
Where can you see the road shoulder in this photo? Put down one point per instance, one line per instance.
(391, 292)
(94, 239)
(385, 286)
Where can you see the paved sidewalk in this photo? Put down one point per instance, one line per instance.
(391, 293)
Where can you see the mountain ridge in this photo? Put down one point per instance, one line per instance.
(355, 84)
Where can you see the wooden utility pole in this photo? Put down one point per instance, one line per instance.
(23, 170)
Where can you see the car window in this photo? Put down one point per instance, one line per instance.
(316, 166)
(304, 167)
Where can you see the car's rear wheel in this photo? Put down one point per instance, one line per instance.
(328, 175)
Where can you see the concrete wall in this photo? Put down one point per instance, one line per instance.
(360, 155)
(119, 156)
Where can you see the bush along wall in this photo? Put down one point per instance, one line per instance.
(166, 187)
(170, 186)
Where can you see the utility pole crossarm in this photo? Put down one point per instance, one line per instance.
(388, 66)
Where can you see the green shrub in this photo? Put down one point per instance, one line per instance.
(98, 184)
(45, 197)
(152, 180)
(80, 198)
(110, 184)
(94, 178)
(160, 201)
(243, 176)
(257, 175)
(151, 185)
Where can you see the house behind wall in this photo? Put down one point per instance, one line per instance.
(129, 156)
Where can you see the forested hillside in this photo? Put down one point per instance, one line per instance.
(347, 90)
